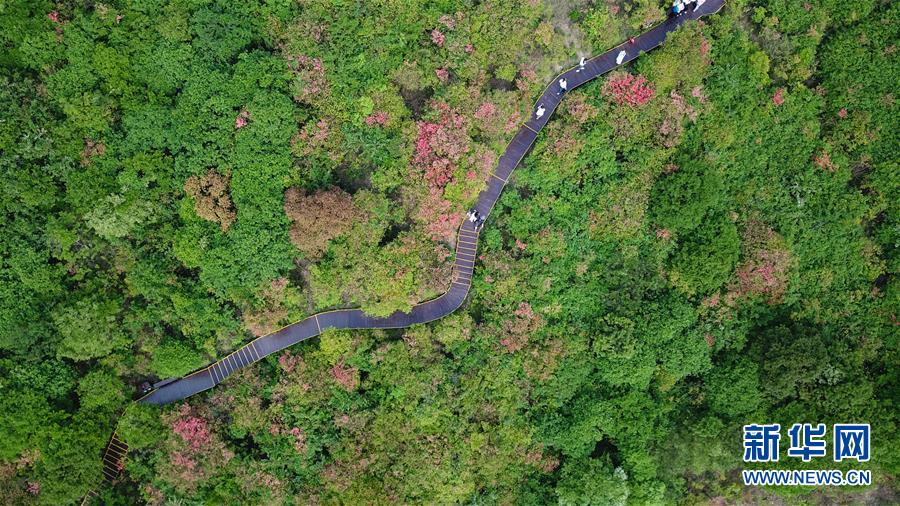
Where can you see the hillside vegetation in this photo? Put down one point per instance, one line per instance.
(704, 239)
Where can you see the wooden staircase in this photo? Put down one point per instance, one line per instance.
(114, 458)
(113, 463)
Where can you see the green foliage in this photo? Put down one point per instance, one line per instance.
(652, 278)
(734, 389)
(172, 359)
(705, 260)
(24, 419)
(591, 481)
(89, 328)
(100, 390)
(140, 426)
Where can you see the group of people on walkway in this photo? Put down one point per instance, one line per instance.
(475, 218)
(564, 85)
(679, 6)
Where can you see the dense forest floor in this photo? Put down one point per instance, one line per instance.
(703, 240)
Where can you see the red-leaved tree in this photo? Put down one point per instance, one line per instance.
(626, 89)
(440, 146)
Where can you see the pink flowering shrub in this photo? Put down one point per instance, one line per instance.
(704, 48)
(823, 161)
(441, 253)
(578, 107)
(439, 148)
(438, 215)
(486, 111)
(311, 137)
(778, 97)
(440, 145)
(53, 16)
(486, 161)
(347, 377)
(299, 439)
(437, 37)
(442, 74)
(288, 361)
(517, 331)
(512, 123)
(448, 21)
(527, 76)
(765, 275)
(183, 461)
(765, 270)
(626, 89)
(193, 430)
(309, 77)
(377, 118)
(241, 120)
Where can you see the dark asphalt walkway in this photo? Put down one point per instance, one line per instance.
(467, 238)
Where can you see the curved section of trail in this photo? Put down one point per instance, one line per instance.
(467, 239)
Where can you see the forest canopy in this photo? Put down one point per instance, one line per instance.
(702, 239)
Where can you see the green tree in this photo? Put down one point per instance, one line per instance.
(591, 482)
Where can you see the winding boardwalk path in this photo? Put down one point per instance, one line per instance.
(466, 246)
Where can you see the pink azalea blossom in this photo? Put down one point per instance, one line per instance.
(448, 21)
(437, 37)
(628, 90)
(183, 461)
(377, 118)
(485, 111)
(778, 97)
(193, 430)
